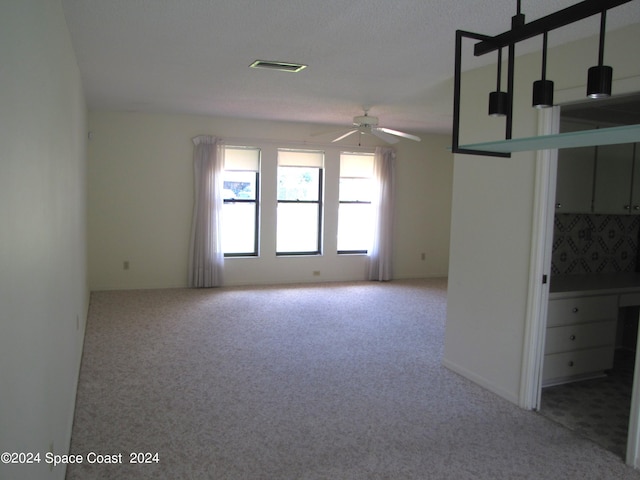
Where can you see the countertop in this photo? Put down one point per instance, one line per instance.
(615, 283)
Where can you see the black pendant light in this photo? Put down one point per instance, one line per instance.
(498, 100)
(501, 103)
(600, 77)
(543, 89)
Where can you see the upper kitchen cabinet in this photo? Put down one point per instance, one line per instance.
(617, 180)
(603, 179)
(635, 185)
(574, 182)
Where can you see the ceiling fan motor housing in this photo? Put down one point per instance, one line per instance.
(365, 121)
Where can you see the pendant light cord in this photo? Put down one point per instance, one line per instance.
(544, 56)
(603, 23)
(499, 69)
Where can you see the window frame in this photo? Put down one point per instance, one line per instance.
(256, 201)
(319, 202)
(352, 202)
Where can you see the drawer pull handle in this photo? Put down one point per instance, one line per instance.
(570, 363)
(572, 337)
(575, 310)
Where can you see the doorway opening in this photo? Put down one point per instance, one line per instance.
(592, 239)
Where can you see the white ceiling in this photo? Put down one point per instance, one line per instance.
(192, 56)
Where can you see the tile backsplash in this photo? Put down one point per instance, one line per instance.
(584, 243)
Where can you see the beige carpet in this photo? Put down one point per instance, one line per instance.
(336, 381)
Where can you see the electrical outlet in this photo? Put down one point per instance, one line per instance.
(423, 256)
(125, 265)
(316, 273)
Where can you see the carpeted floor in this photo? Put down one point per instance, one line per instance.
(334, 381)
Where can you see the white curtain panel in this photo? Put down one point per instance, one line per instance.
(206, 259)
(380, 253)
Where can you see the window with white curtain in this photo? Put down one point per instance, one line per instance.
(355, 213)
(299, 215)
(241, 194)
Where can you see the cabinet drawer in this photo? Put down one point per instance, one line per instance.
(566, 311)
(579, 362)
(584, 335)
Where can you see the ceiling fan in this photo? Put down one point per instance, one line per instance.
(369, 125)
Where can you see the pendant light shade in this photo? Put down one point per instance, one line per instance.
(543, 93)
(498, 100)
(599, 81)
(599, 78)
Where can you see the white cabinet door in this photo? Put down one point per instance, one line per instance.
(574, 183)
(576, 169)
(614, 168)
(635, 187)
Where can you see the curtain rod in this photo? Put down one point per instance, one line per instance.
(287, 143)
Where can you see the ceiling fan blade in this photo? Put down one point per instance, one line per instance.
(383, 135)
(399, 134)
(345, 135)
(326, 132)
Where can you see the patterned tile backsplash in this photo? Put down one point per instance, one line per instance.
(584, 243)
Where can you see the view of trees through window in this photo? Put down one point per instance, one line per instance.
(299, 210)
(240, 196)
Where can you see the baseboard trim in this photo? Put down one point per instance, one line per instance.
(481, 381)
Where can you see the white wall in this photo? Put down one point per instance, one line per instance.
(492, 213)
(141, 200)
(43, 293)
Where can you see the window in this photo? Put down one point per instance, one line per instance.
(299, 216)
(355, 214)
(241, 185)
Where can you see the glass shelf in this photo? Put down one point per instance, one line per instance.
(583, 138)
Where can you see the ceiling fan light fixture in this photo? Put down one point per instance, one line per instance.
(363, 120)
(369, 125)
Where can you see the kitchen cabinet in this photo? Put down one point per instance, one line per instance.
(617, 183)
(574, 182)
(582, 323)
(580, 338)
(575, 175)
(635, 184)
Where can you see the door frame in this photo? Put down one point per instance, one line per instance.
(539, 264)
(633, 437)
(538, 294)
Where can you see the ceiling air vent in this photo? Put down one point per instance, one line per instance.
(283, 66)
